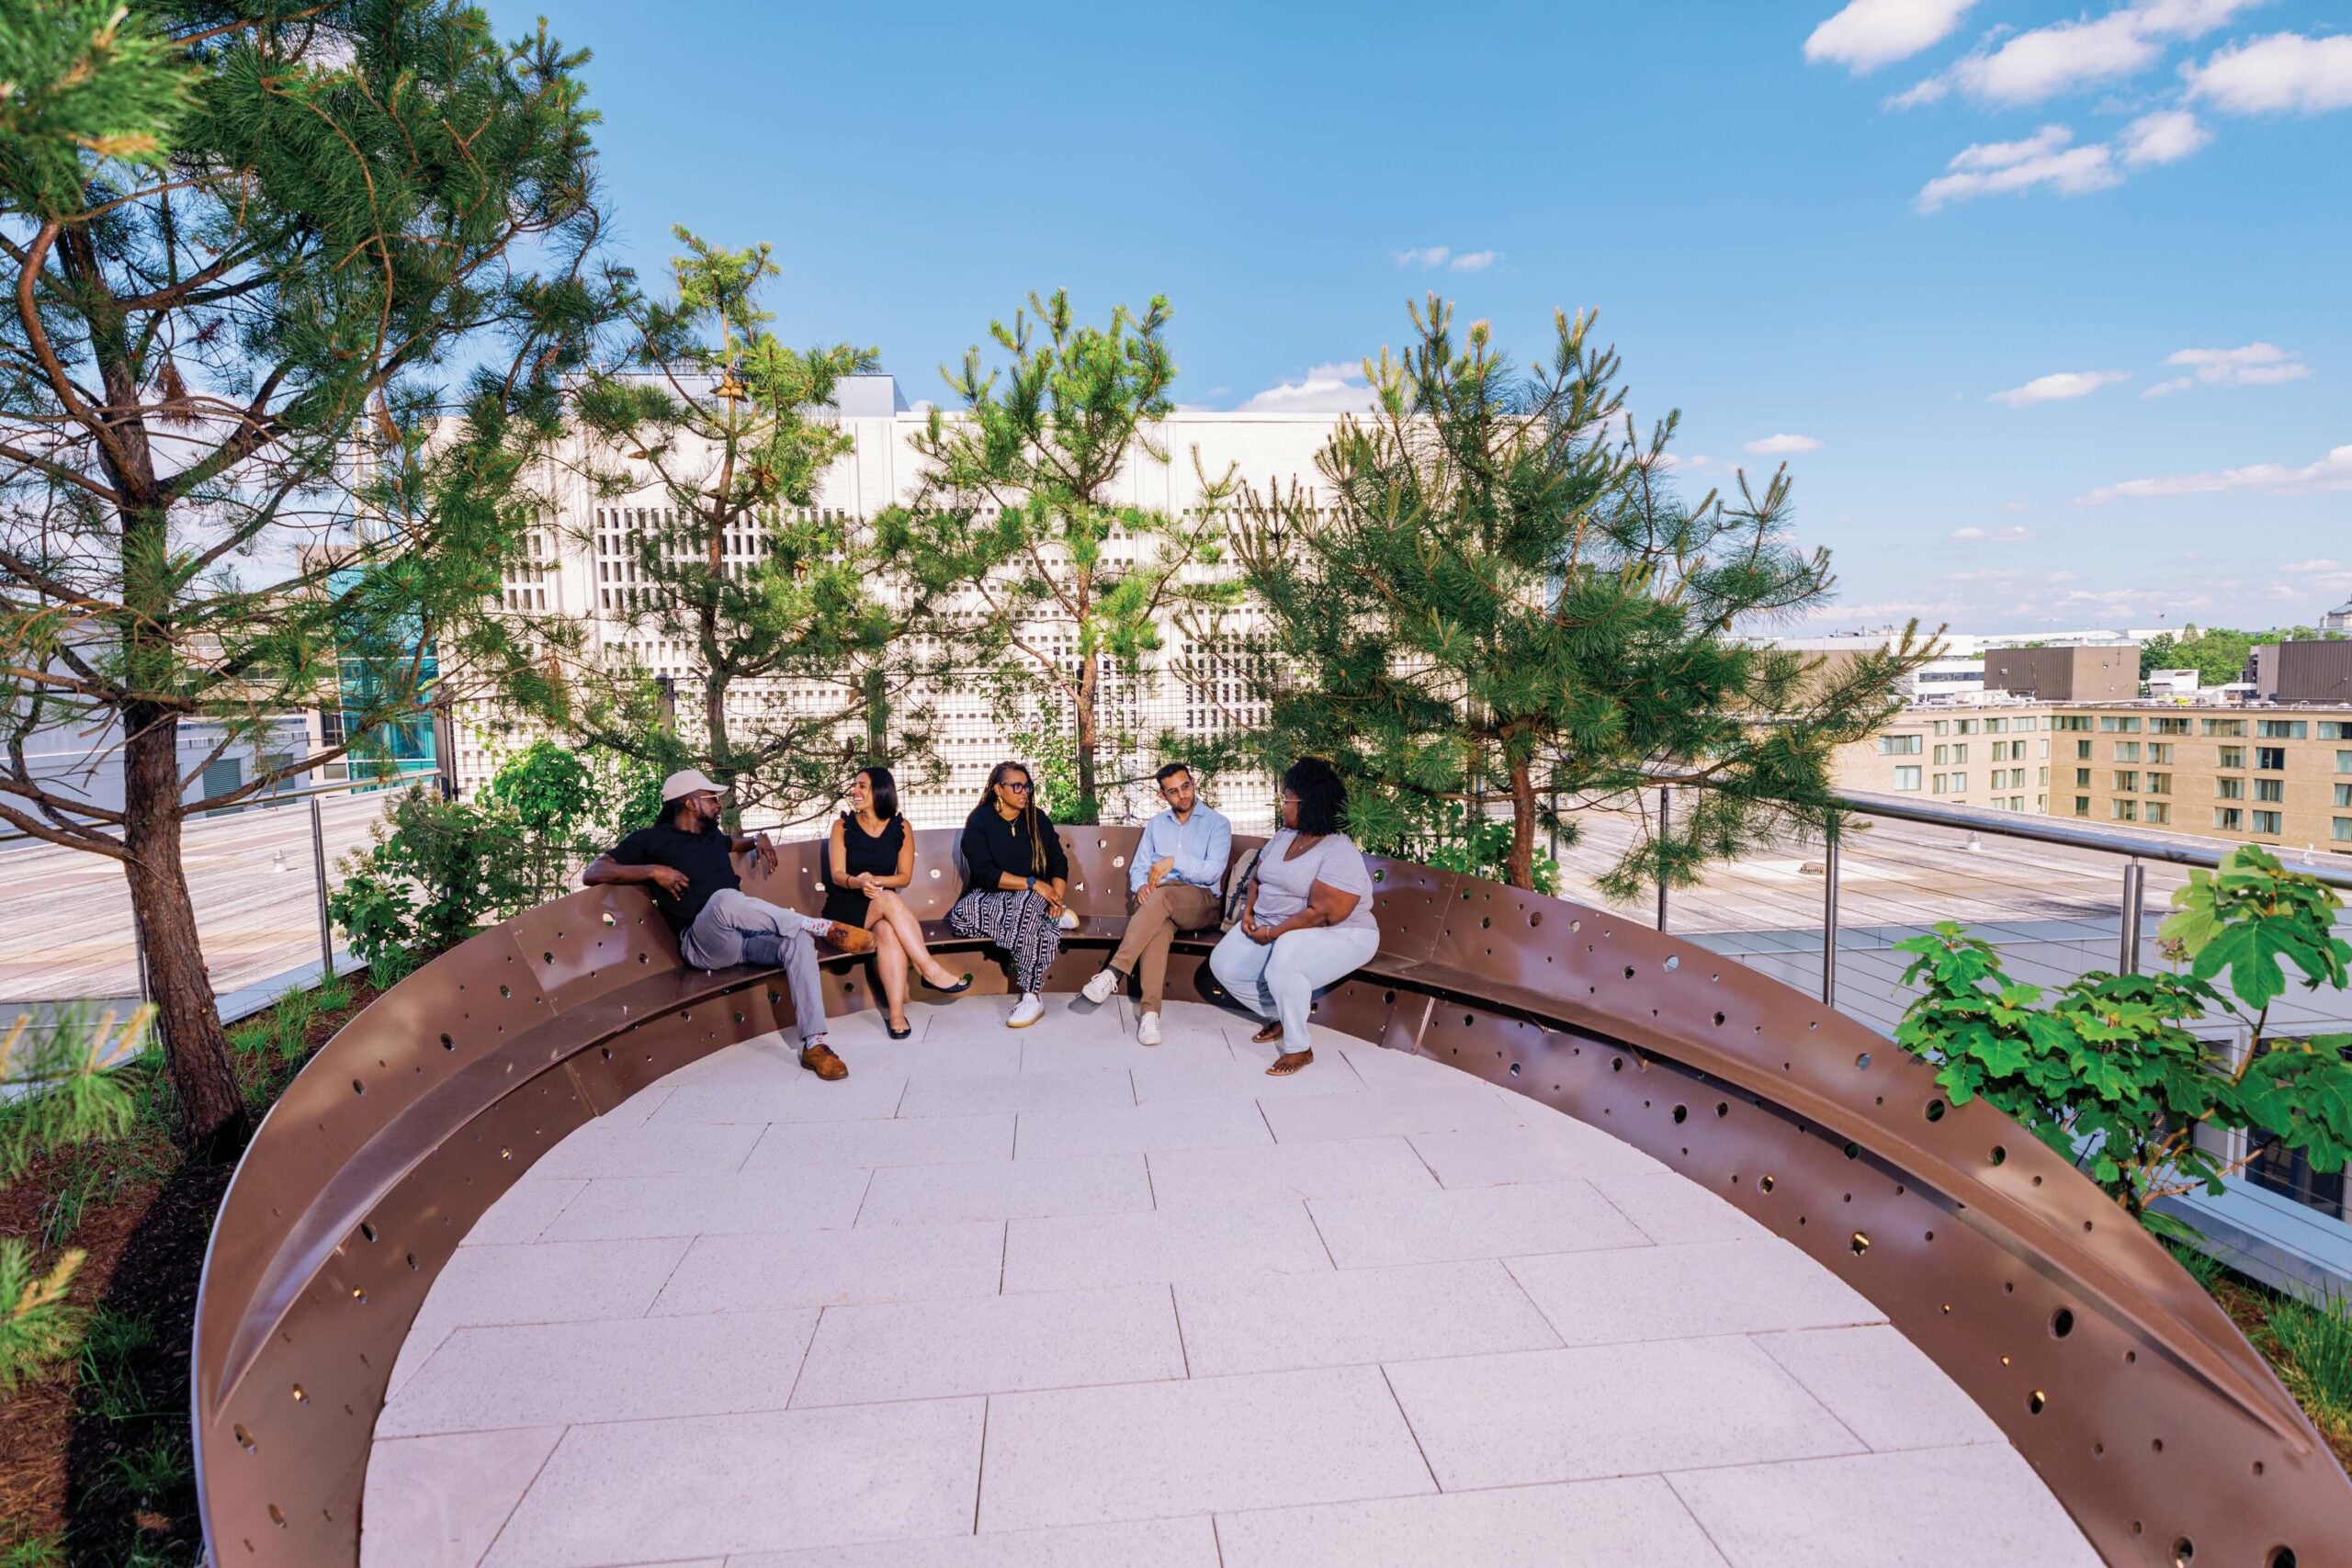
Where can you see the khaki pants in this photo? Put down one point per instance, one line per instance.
(1167, 909)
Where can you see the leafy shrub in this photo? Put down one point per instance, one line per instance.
(437, 871)
(2109, 1072)
(39, 1326)
(1449, 836)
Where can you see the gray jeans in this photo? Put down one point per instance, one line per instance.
(735, 928)
(1279, 979)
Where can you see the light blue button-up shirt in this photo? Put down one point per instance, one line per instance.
(1200, 848)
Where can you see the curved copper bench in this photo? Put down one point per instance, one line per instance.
(2146, 1413)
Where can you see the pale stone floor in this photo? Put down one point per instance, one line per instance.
(1048, 1297)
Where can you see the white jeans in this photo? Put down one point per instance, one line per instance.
(1279, 979)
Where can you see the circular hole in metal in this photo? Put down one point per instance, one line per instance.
(277, 1516)
(1485, 922)
(2000, 1154)
(358, 1087)
(1722, 1108)
(608, 918)
(2184, 1552)
(1853, 1151)
(1862, 1061)
(2156, 1445)
(2280, 1556)
(1861, 1243)
(245, 1438)
(2035, 1401)
(367, 1229)
(447, 1044)
(1616, 1064)
(1673, 963)
(2061, 1323)
(1536, 919)
(1629, 970)
(1935, 1111)
(300, 1395)
(1681, 1114)
(1763, 1184)
(1514, 1069)
(1575, 925)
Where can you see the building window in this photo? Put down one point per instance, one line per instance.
(2082, 751)
(2119, 725)
(2159, 783)
(2267, 822)
(2081, 805)
(2125, 810)
(2127, 751)
(2229, 819)
(1943, 727)
(2169, 726)
(2082, 778)
(1943, 756)
(2270, 789)
(2028, 725)
(1898, 745)
(2344, 794)
(2344, 761)
(1960, 784)
(2158, 813)
(2340, 829)
(2282, 728)
(2270, 758)
(2070, 721)
(1940, 784)
(2042, 775)
(2231, 756)
(2335, 729)
(2041, 749)
(2230, 789)
(2127, 780)
(1996, 727)
(2160, 751)
(2230, 726)
(1963, 726)
(1907, 778)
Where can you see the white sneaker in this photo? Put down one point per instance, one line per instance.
(1028, 1010)
(1097, 990)
(1148, 1029)
(1068, 921)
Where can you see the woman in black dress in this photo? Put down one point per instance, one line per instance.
(871, 857)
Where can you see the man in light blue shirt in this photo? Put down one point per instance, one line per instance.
(1173, 883)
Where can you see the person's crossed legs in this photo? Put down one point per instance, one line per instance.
(735, 928)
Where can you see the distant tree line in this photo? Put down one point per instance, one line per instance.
(2217, 654)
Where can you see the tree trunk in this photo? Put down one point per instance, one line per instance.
(1522, 825)
(1090, 693)
(212, 1111)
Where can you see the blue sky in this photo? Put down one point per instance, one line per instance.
(1958, 247)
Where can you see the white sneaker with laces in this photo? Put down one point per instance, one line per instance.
(1027, 1011)
(1148, 1029)
(1097, 990)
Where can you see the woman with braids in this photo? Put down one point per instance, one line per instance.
(1306, 922)
(870, 857)
(1014, 879)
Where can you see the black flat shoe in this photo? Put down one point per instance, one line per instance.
(897, 1033)
(956, 989)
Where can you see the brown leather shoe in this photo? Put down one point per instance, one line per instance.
(851, 939)
(820, 1059)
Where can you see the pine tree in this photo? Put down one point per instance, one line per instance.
(227, 460)
(1494, 598)
(1020, 510)
(726, 425)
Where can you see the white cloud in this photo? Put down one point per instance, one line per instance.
(2255, 365)
(2040, 62)
(2058, 387)
(2014, 506)
(2009, 535)
(1994, 168)
(1870, 33)
(1324, 388)
(2283, 72)
(2321, 564)
(1429, 258)
(2166, 137)
(2331, 472)
(2166, 388)
(1773, 446)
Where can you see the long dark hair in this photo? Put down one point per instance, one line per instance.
(1029, 813)
(1322, 799)
(886, 792)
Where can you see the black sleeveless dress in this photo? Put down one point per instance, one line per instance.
(878, 854)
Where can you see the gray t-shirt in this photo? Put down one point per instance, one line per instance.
(1335, 861)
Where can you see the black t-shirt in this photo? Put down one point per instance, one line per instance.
(702, 856)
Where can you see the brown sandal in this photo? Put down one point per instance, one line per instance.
(1267, 1035)
(1288, 1063)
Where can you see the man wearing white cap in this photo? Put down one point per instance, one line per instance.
(686, 860)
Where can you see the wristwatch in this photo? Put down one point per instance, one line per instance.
(1032, 883)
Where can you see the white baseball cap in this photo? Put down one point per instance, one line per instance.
(677, 786)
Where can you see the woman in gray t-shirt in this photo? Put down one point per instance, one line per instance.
(1306, 922)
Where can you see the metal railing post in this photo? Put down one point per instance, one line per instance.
(319, 873)
(1665, 823)
(2127, 947)
(1829, 919)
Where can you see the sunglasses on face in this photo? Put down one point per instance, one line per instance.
(1016, 787)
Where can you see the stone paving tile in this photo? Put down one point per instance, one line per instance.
(634, 1110)
(1551, 1148)
(1154, 1543)
(543, 1282)
(1386, 1111)
(1190, 1178)
(884, 1263)
(1077, 1251)
(1981, 1503)
(1583, 1524)
(1081, 1456)
(673, 1150)
(439, 1501)
(1002, 1189)
(727, 1483)
(1472, 1222)
(1081, 1091)
(1354, 1317)
(1881, 1386)
(1331, 1072)
(614, 1369)
(867, 1355)
(724, 1204)
(1688, 1290)
(954, 1055)
(1140, 1129)
(1384, 1068)
(907, 1140)
(522, 1212)
(1669, 1207)
(1226, 1076)
(1544, 1416)
(804, 1097)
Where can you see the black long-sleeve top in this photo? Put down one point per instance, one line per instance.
(993, 846)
